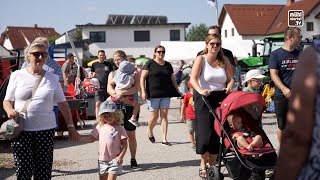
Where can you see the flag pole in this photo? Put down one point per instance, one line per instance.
(217, 14)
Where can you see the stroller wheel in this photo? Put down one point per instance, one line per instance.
(213, 173)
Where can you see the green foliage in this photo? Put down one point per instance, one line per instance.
(197, 33)
(76, 34)
(52, 39)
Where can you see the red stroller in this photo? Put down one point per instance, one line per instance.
(242, 163)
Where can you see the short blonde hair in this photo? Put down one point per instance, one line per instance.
(117, 117)
(32, 46)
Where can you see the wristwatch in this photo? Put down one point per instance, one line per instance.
(70, 126)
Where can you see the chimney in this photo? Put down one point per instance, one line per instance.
(36, 25)
(289, 2)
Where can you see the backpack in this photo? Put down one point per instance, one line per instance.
(178, 76)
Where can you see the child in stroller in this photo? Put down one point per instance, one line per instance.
(241, 136)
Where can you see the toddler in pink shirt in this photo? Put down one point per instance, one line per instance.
(112, 140)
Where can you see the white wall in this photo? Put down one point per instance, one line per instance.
(7, 44)
(187, 50)
(122, 37)
(228, 25)
(316, 24)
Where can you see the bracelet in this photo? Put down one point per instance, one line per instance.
(70, 126)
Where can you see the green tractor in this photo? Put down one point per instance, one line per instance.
(261, 59)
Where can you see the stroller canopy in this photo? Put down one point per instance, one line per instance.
(253, 103)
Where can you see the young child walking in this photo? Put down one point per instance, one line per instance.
(188, 114)
(112, 140)
(253, 79)
(243, 138)
(124, 80)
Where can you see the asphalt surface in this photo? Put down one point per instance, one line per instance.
(77, 161)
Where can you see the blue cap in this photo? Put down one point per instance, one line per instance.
(107, 106)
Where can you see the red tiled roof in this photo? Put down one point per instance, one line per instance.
(19, 36)
(250, 19)
(281, 22)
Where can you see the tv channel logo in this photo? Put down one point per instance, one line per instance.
(295, 18)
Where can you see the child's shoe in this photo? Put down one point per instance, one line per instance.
(134, 122)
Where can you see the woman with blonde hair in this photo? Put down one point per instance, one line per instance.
(112, 140)
(33, 148)
(210, 74)
(118, 57)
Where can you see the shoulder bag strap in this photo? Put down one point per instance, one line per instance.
(34, 88)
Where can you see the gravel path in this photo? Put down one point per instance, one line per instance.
(79, 161)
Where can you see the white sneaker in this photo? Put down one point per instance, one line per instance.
(134, 122)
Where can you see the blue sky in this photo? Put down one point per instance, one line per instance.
(63, 15)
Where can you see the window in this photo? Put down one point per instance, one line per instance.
(140, 36)
(232, 32)
(225, 33)
(309, 26)
(98, 36)
(174, 35)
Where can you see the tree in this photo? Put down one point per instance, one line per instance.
(51, 40)
(197, 33)
(76, 34)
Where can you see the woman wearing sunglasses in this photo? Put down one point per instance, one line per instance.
(211, 77)
(33, 147)
(158, 85)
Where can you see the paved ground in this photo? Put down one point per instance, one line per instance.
(79, 161)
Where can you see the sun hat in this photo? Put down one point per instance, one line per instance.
(253, 74)
(139, 63)
(107, 106)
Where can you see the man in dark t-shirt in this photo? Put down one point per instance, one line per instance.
(101, 70)
(282, 63)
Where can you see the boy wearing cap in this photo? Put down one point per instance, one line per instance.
(253, 79)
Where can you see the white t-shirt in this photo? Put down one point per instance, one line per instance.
(39, 115)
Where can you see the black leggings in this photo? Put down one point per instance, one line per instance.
(33, 154)
(206, 137)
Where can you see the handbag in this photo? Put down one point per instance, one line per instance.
(12, 127)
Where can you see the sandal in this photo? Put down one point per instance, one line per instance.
(203, 173)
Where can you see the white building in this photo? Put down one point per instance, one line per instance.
(136, 35)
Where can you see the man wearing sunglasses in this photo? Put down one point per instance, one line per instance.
(226, 52)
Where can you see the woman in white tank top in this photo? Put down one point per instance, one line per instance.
(211, 76)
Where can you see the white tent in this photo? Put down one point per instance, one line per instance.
(187, 50)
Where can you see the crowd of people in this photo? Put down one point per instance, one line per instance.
(210, 76)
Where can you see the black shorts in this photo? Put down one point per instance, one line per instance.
(101, 95)
(127, 112)
(281, 109)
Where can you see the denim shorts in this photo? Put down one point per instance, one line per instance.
(158, 103)
(112, 167)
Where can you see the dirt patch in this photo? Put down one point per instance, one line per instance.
(7, 162)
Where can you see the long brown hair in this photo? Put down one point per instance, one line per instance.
(220, 56)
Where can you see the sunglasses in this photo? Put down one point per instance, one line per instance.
(215, 44)
(161, 52)
(38, 54)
